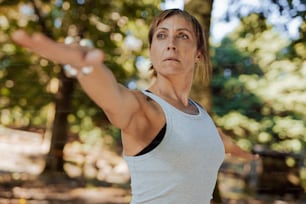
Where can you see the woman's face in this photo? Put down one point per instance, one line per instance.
(173, 49)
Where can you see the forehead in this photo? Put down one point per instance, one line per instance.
(176, 22)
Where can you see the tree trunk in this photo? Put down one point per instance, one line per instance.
(60, 125)
(202, 9)
(62, 109)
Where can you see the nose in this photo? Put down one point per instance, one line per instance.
(171, 44)
(170, 47)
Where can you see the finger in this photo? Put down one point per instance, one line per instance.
(21, 38)
(45, 47)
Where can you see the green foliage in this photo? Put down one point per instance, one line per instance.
(29, 84)
(259, 87)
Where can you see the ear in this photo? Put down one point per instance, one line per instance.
(198, 58)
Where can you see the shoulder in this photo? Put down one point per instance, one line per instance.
(147, 105)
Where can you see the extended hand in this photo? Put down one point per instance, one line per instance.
(58, 52)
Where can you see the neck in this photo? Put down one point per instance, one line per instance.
(173, 89)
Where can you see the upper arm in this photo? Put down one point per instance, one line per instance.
(118, 102)
(233, 149)
(125, 109)
(227, 142)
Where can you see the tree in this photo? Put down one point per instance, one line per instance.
(107, 25)
(257, 99)
(263, 79)
(259, 90)
(202, 11)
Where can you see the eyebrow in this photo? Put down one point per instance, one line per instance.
(179, 29)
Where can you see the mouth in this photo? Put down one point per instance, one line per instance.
(171, 59)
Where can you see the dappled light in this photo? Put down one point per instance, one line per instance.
(23, 154)
(57, 146)
(264, 102)
(94, 161)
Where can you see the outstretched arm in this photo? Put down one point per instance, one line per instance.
(100, 85)
(233, 149)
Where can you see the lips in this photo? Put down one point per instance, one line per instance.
(171, 59)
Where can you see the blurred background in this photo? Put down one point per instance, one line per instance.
(58, 147)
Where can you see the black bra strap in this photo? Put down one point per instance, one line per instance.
(155, 142)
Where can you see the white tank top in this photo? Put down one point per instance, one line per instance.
(183, 168)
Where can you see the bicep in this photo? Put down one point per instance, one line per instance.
(124, 110)
(118, 102)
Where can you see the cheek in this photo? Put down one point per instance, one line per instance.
(153, 56)
(155, 52)
(190, 55)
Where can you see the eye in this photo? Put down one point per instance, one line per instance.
(161, 35)
(183, 36)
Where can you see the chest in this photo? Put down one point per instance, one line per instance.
(194, 142)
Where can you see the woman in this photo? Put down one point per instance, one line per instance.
(170, 143)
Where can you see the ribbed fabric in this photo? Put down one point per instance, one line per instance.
(183, 168)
